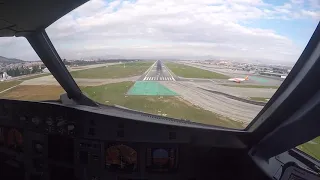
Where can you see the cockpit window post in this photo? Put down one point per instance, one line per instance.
(42, 45)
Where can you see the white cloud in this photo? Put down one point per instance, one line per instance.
(17, 48)
(312, 14)
(175, 29)
(90, 8)
(297, 1)
(314, 3)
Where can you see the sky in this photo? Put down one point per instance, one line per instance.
(266, 30)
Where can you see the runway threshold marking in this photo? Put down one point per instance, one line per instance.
(169, 73)
(158, 78)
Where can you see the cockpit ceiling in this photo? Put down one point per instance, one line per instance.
(32, 15)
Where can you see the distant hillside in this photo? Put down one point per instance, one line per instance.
(10, 60)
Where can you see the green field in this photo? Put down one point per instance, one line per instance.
(250, 86)
(193, 72)
(7, 84)
(312, 148)
(114, 71)
(35, 76)
(116, 94)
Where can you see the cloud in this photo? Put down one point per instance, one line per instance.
(314, 3)
(17, 48)
(176, 29)
(312, 14)
(297, 1)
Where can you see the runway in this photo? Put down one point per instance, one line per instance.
(199, 93)
(158, 72)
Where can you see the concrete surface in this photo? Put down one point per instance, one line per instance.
(235, 110)
(50, 80)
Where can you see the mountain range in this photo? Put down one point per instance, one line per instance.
(10, 60)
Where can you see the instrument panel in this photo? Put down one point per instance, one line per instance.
(120, 157)
(53, 141)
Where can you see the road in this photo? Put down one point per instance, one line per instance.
(158, 72)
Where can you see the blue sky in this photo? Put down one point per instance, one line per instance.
(299, 31)
(271, 30)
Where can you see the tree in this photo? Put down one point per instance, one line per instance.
(9, 72)
(35, 69)
(17, 72)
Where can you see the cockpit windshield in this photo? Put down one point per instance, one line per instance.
(210, 62)
(23, 76)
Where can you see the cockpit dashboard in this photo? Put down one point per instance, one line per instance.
(45, 140)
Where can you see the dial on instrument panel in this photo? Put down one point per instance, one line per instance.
(121, 157)
(162, 159)
(15, 139)
(11, 138)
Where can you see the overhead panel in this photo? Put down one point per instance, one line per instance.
(32, 15)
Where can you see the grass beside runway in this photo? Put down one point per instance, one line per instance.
(114, 71)
(33, 92)
(250, 86)
(312, 148)
(7, 84)
(193, 72)
(170, 106)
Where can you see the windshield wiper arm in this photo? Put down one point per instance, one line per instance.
(42, 45)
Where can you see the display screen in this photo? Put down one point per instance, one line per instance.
(11, 138)
(162, 159)
(60, 148)
(120, 157)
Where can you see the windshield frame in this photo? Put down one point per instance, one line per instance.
(61, 74)
(296, 76)
(42, 45)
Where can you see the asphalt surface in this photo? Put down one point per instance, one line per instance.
(209, 94)
(236, 91)
(50, 80)
(158, 72)
(220, 104)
